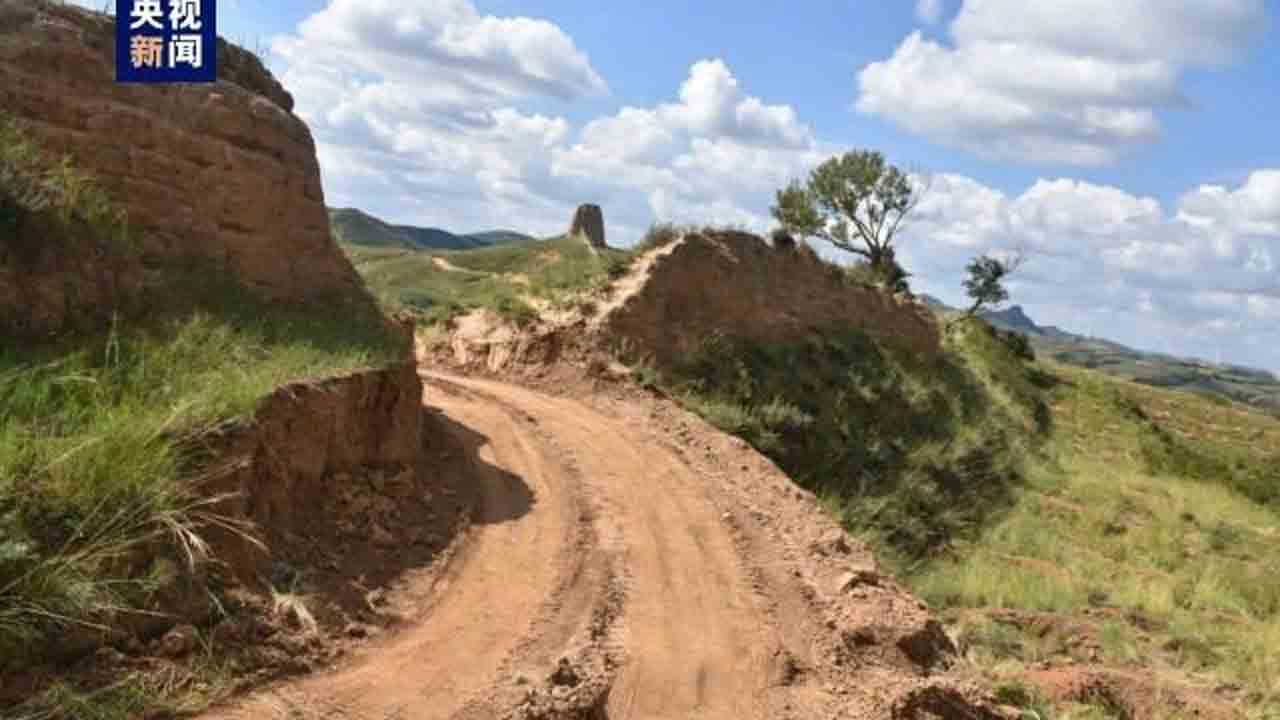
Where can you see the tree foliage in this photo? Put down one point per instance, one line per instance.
(857, 202)
(985, 283)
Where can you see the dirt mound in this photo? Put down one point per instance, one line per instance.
(219, 177)
(732, 284)
(678, 297)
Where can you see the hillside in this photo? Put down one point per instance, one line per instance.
(164, 372)
(1094, 546)
(261, 458)
(511, 278)
(1250, 386)
(689, 576)
(353, 227)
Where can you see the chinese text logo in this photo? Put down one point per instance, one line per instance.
(166, 41)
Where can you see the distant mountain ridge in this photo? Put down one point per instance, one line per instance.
(356, 227)
(1234, 382)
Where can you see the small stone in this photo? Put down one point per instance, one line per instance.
(179, 641)
(356, 630)
(855, 578)
(564, 674)
(832, 542)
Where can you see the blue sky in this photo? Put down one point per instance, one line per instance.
(808, 56)
(1127, 145)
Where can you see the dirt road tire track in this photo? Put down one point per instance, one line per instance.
(695, 634)
(666, 569)
(525, 543)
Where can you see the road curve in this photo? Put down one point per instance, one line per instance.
(564, 491)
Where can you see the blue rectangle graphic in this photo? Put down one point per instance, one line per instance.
(166, 41)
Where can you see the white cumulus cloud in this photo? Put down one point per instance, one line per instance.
(434, 114)
(1076, 82)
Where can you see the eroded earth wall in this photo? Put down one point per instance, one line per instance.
(218, 177)
(731, 283)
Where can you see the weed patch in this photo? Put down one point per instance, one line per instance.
(92, 463)
(916, 452)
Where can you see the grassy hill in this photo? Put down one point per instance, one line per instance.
(510, 278)
(1068, 525)
(353, 227)
(1258, 388)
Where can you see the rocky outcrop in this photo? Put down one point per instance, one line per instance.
(731, 284)
(219, 177)
(588, 223)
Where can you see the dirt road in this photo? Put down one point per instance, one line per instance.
(606, 576)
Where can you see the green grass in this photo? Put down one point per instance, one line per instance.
(92, 438)
(174, 691)
(1223, 384)
(1148, 503)
(99, 508)
(987, 480)
(505, 278)
(912, 451)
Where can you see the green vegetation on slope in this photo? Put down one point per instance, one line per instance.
(97, 506)
(1226, 382)
(505, 278)
(1158, 508)
(916, 450)
(1253, 387)
(353, 227)
(92, 437)
(988, 481)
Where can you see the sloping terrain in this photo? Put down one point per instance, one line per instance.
(184, 353)
(629, 561)
(353, 227)
(1134, 567)
(203, 172)
(1258, 388)
(436, 286)
(1042, 509)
